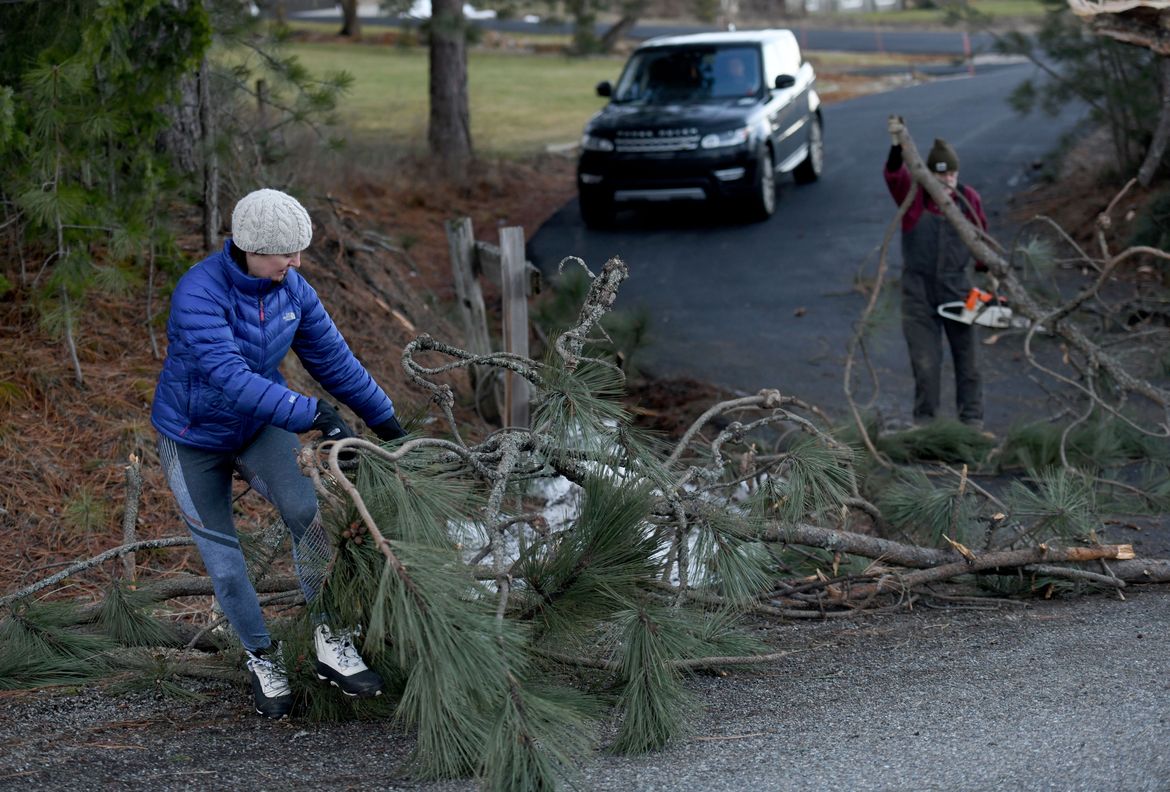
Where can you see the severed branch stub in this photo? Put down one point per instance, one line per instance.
(130, 515)
(603, 289)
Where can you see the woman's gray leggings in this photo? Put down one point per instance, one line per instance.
(202, 483)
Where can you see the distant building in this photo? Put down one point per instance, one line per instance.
(812, 7)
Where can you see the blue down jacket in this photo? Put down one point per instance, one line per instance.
(227, 335)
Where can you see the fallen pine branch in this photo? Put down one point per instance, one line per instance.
(1002, 559)
(690, 663)
(1128, 569)
(1075, 574)
(80, 566)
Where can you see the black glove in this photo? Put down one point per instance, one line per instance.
(894, 159)
(328, 422)
(389, 429)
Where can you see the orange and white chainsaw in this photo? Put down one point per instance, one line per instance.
(982, 308)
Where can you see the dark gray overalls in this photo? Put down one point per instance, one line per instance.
(935, 271)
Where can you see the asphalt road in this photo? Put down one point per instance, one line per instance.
(750, 306)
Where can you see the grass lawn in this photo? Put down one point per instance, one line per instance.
(523, 101)
(519, 102)
(1000, 11)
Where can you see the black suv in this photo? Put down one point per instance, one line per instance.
(713, 116)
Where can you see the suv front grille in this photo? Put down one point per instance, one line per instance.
(649, 141)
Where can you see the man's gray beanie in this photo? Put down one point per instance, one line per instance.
(271, 222)
(942, 158)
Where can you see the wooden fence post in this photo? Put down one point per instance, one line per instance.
(461, 243)
(515, 289)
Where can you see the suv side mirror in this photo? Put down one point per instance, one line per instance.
(783, 81)
(604, 88)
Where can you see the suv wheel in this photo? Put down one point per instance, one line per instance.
(762, 203)
(596, 209)
(809, 170)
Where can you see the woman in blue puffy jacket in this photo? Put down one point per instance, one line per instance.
(222, 406)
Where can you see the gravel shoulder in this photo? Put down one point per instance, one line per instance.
(1070, 694)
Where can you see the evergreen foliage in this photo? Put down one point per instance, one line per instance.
(89, 95)
(123, 616)
(1119, 82)
(1153, 481)
(39, 646)
(263, 98)
(654, 704)
(739, 566)
(157, 672)
(581, 409)
(537, 737)
(1152, 227)
(1062, 505)
(928, 512)
(1097, 444)
(591, 572)
(84, 83)
(941, 441)
(814, 476)
(467, 650)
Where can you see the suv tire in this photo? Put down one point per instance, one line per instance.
(761, 204)
(596, 209)
(809, 170)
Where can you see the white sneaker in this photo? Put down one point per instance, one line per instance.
(339, 663)
(270, 688)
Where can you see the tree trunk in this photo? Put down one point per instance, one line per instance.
(181, 139)
(273, 8)
(449, 129)
(351, 24)
(1157, 148)
(728, 14)
(584, 18)
(210, 160)
(616, 32)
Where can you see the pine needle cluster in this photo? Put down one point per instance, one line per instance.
(942, 441)
(928, 511)
(1061, 504)
(1092, 445)
(39, 646)
(124, 616)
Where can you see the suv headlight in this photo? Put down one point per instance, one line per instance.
(594, 143)
(735, 137)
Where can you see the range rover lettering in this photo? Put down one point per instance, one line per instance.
(707, 117)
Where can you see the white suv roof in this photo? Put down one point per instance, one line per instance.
(737, 37)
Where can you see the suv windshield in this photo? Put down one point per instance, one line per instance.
(691, 74)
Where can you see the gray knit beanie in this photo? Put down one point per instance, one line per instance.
(270, 222)
(942, 158)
